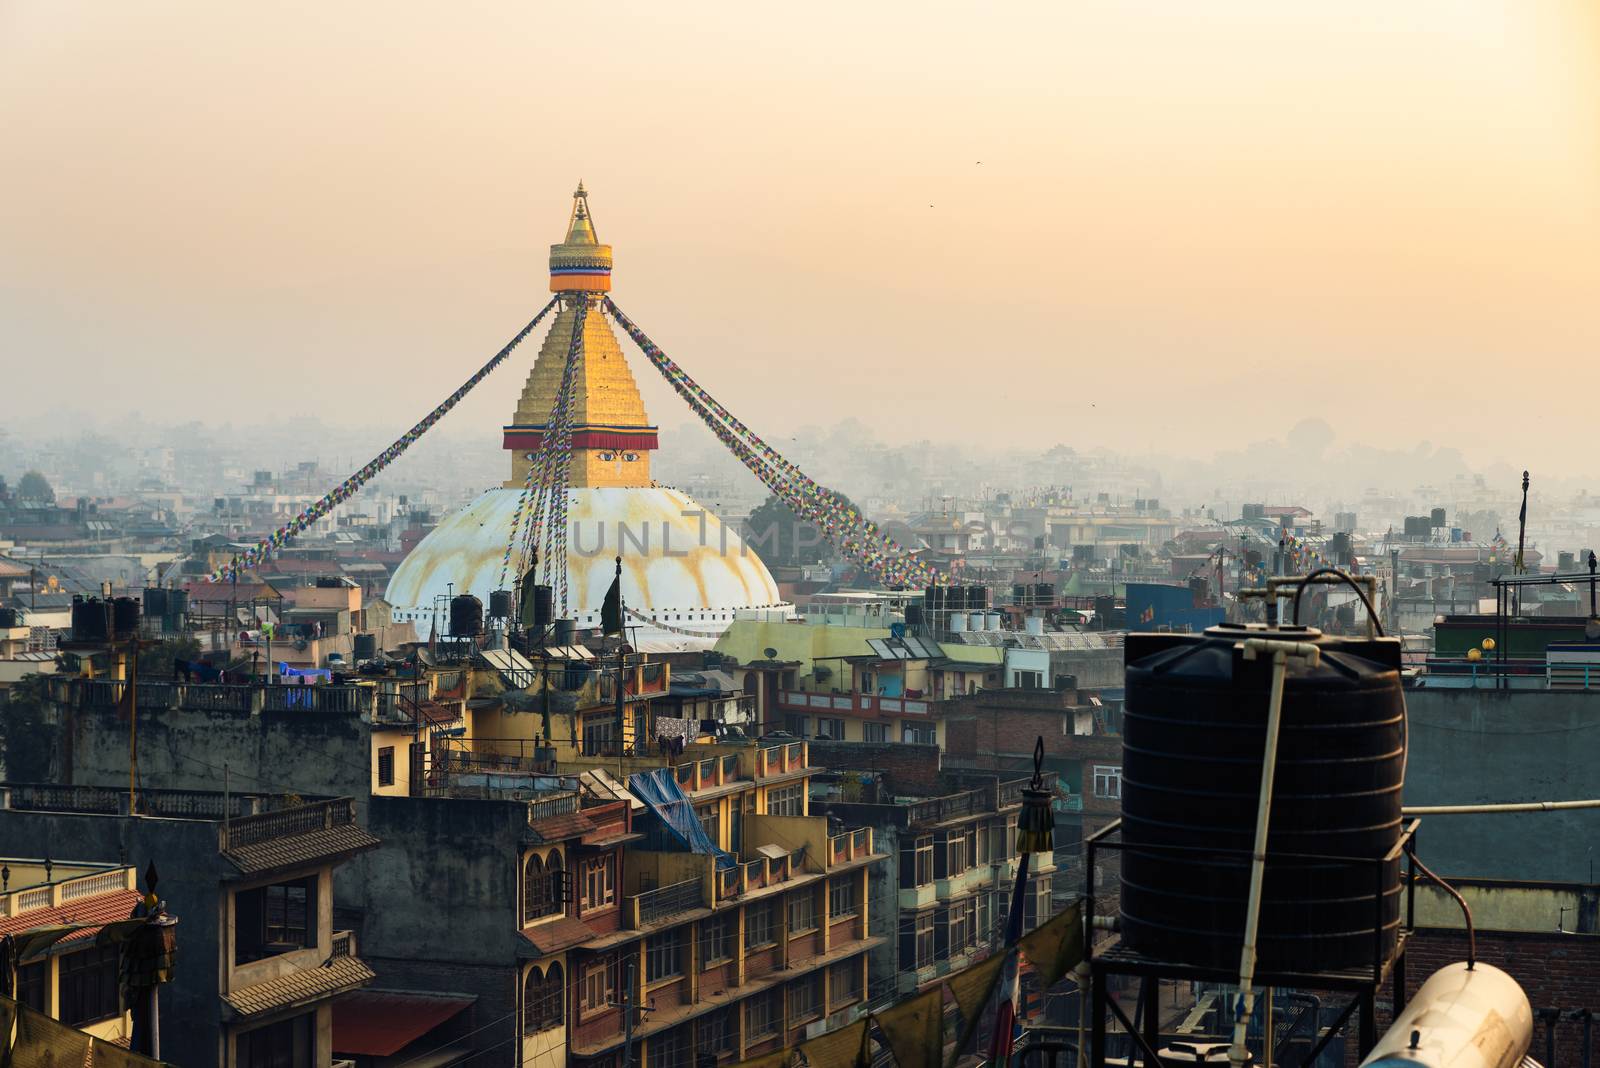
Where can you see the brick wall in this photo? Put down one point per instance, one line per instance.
(910, 769)
(1558, 971)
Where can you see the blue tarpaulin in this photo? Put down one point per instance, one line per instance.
(662, 795)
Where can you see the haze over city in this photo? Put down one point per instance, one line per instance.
(1111, 223)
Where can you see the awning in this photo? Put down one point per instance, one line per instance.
(380, 1023)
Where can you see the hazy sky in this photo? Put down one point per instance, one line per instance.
(1192, 223)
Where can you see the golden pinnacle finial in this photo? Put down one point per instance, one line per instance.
(580, 201)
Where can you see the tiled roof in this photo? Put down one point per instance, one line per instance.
(558, 935)
(560, 828)
(293, 851)
(96, 909)
(300, 986)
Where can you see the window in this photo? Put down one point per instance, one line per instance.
(386, 765)
(89, 986)
(786, 800)
(663, 956)
(544, 998)
(844, 982)
(599, 984)
(761, 1016)
(916, 862)
(963, 922)
(842, 897)
(671, 1050)
(719, 936)
(795, 724)
(541, 887)
(31, 985)
(600, 735)
(1030, 680)
(832, 729)
(710, 822)
(1108, 781)
(913, 734)
(802, 912)
(805, 999)
(290, 1043)
(274, 919)
(875, 732)
(760, 925)
(717, 1032)
(916, 941)
(599, 882)
(954, 852)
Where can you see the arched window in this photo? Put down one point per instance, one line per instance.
(554, 883)
(532, 1001)
(749, 682)
(555, 998)
(533, 888)
(541, 887)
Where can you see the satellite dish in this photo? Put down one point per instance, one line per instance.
(770, 653)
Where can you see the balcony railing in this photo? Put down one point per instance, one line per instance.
(653, 906)
(286, 823)
(860, 704)
(781, 759)
(851, 845)
(215, 697)
(555, 805)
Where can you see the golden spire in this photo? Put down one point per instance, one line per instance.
(581, 263)
(580, 229)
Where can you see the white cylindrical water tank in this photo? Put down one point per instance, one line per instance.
(1034, 624)
(991, 621)
(958, 622)
(975, 621)
(1459, 1017)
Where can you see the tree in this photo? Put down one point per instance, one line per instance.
(783, 539)
(35, 487)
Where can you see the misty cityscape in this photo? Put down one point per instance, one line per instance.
(1086, 556)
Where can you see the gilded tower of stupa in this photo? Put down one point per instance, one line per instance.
(684, 575)
(611, 436)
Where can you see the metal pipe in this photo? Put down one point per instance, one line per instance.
(1280, 651)
(1517, 806)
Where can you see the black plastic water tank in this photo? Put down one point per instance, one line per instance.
(562, 631)
(9, 618)
(364, 647)
(500, 604)
(177, 603)
(1194, 731)
(913, 615)
(466, 616)
(125, 616)
(933, 598)
(544, 608)
(155, 602)
(91, 620)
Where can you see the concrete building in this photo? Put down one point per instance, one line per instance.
(251, 880)
(952, 843)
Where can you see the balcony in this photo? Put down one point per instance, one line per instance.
(246, 699)
(285, 823)
(849, 846)
(759, 873)
(853, 704)
(69, 883)
(654, 906)
(781, 760)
